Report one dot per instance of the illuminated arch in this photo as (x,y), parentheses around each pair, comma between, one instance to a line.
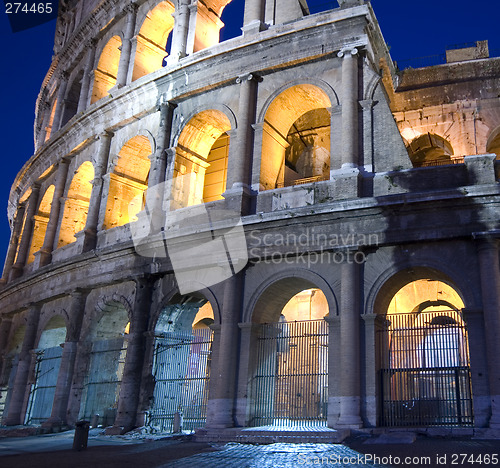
(128,180)
(152,39)
(296,137)
(76,205)
(201,159)
(107,69)
(40,224)
(430,150)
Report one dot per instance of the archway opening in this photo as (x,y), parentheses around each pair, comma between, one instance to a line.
(107,349)
(48,362)
(201,160)
(40,223)
(289,384)
(430,150)
(9,367)
(76,205)
(296,138)
(107,69)
(423,357)
(152,40)
(181,364)
(71,99)
(128,180)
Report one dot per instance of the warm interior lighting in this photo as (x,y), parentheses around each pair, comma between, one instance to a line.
(194,159)
(152,39)
(40,224)
(310,304)
(128,180)
(107,69)
(76,205)
(296,137)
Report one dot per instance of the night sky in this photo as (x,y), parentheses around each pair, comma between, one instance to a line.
(410,28)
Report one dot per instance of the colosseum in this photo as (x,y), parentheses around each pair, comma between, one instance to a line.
(278,232)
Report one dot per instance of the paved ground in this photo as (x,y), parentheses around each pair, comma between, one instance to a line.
(55,451)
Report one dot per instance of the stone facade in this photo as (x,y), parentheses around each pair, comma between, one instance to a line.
(349,177)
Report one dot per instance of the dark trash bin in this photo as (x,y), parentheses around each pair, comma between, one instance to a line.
(81,435)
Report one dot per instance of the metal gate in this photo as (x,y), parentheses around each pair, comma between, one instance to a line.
(102,385)
(290,386)
(424,371)
(43,389)
(181,369)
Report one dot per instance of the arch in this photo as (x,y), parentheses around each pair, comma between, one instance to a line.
(72,98)
(152,39)
(76,205)
(430,149)
(181,359)
(274,293)
(40,223)
(106,348)
(422,351)
(128,180)
(201,294)
(198,154)
(493,144)
(393,279)
(296,137)
(106,71)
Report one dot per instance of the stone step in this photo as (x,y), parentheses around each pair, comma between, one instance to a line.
(245,435)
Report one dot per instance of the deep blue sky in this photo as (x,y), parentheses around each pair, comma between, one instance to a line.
(411,28)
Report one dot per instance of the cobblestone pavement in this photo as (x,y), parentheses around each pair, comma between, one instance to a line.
(276,456)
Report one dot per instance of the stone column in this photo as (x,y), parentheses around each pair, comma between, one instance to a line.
(212,383)
(253,18)
(246,366)
(134,360)
(349,107)
(367,156)
(125,56)
(180,33)
(13,244)
(65,377)
(225,375)
(334,370)
(84,100)
(24,247)
(159,158)
(335,139)
(5,327)
(369,404)
(241,150)
(97,196)
(348,178)
(14,414)
(61,94)
(45,256)
(490,289)
(155,194)
(349,344)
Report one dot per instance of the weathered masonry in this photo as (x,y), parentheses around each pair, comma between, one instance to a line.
(367,198)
